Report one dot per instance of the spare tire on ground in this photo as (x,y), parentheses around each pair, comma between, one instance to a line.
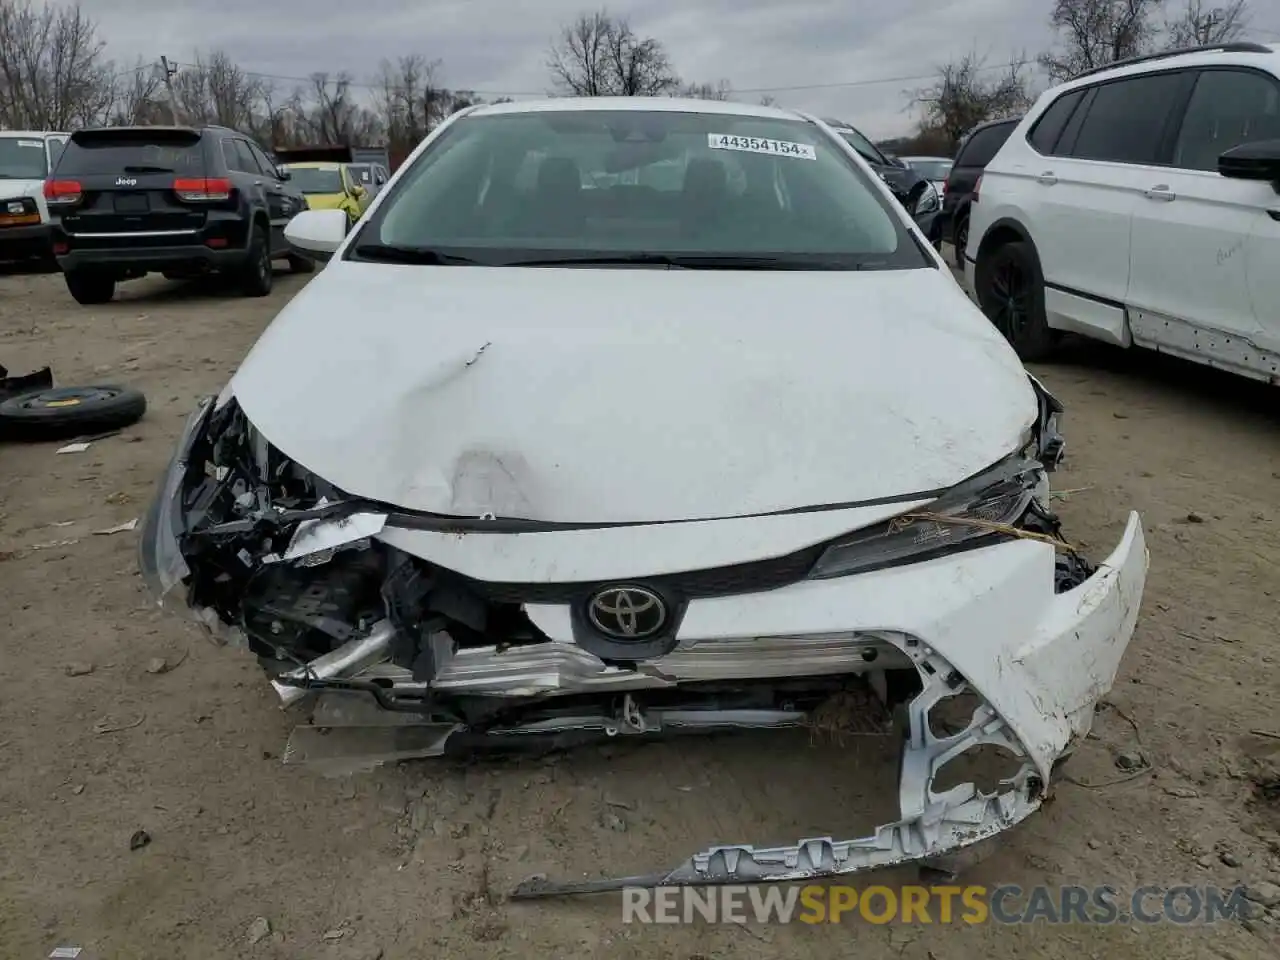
(70,412)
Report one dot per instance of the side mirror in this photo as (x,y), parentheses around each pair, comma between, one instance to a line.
(284,174)
(1252,161)
(318,232)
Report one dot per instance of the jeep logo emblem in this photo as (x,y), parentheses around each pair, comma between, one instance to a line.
(126,182)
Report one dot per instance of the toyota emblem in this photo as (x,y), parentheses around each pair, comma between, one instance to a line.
(627,613)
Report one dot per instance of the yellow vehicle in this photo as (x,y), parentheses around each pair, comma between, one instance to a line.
(329,186)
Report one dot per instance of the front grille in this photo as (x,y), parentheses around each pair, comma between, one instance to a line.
(755,577)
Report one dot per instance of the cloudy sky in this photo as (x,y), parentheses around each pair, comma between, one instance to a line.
(855,59)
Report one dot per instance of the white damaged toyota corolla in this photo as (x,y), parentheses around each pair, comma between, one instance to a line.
(629,417)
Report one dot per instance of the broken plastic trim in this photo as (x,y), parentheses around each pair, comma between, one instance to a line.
(1050,445)
(932,824)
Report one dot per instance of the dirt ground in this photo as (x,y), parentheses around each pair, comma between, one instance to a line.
(415,860)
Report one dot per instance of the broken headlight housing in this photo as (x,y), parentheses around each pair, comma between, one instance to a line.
(978,512)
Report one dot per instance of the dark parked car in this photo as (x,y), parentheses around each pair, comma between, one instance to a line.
(977,149)
(181,201)
(913,190)
(373,177)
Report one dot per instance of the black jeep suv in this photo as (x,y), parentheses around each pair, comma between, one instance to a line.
(127,201)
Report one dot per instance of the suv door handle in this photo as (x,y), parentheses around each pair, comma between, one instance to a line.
(257,183)
(1047,178)
(1160,192)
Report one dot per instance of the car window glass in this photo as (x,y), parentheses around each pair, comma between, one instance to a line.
(264,164)
(22,158)
(246,163)
(1044,135)
(1227,108)
(642,182)
(1126,120)
(56,145)
(161,149)
(319,180)
(230,155)
(984,145)
(864,146)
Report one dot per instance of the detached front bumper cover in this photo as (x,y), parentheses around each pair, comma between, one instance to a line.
(1046,690)
(1034,660)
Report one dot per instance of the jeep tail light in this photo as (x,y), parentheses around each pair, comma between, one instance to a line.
(946,186)
(977,185)
(61,192)
(202,189)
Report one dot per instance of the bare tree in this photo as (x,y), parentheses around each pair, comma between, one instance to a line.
(53,72)
(216,90)
(138,96)
(599,55)
(961,98)
(1200,24)
(409,101)
(720,90)
(1093,33)
(335,115)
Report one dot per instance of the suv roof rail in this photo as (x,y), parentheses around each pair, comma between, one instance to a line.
(1242,46)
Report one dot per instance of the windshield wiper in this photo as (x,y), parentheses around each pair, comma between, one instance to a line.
(390,253)
(143,168)
(688,262)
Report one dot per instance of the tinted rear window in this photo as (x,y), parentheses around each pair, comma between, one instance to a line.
(1125,121)
(132,152)
(982,147)
(1044,135)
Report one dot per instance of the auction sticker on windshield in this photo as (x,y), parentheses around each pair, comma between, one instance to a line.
(783,148)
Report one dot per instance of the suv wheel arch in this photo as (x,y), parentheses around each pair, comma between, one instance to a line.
(260,219)
(1004,231)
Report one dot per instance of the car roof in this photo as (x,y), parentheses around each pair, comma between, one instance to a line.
(167,128)
(1234,54)
(653,104)
(32,134)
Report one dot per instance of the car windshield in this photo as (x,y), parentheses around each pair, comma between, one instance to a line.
(22,158)
(637,186)
(316,180)
(860,143)
(931,169)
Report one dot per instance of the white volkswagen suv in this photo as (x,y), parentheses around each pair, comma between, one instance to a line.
(1140,205)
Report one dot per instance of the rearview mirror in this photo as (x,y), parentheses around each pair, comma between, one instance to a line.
(1252,161)
(318,232)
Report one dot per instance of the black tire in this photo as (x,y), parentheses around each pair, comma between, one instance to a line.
(255,273)
(1010,291)
(70,412)
(90,288)
(960,239)
(301,264)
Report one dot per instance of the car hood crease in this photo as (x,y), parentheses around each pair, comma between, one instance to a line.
(621,396)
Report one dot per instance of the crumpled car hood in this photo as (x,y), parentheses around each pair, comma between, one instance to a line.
(633,395)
